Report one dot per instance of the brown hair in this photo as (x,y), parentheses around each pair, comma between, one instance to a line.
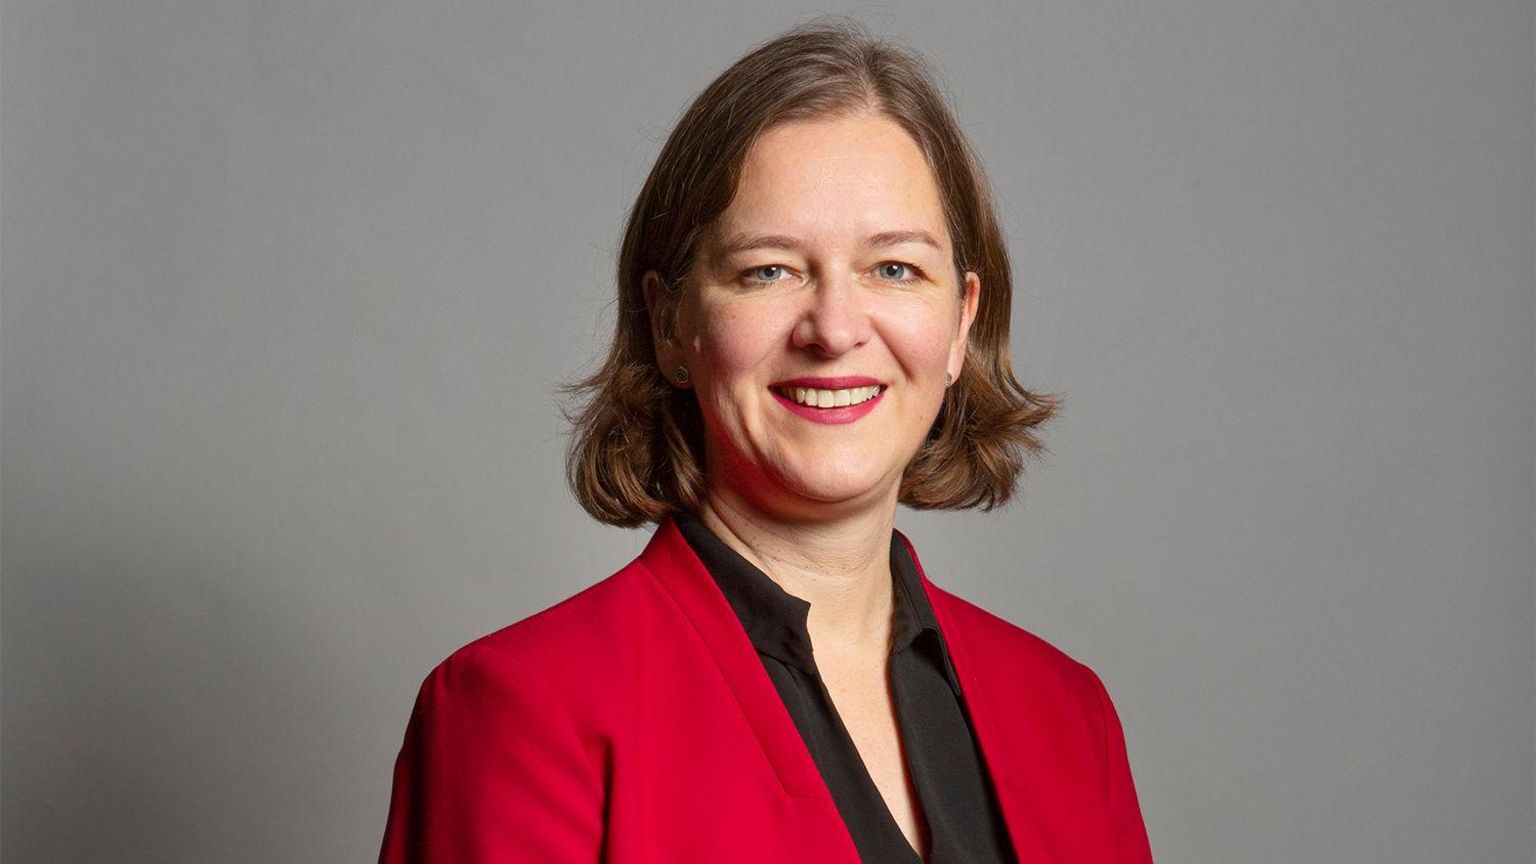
(637,450)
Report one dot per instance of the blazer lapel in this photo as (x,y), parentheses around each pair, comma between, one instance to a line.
(674,564)
(975,691)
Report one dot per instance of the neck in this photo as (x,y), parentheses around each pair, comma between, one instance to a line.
(842,567)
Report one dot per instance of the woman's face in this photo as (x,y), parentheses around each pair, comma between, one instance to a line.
(823,315)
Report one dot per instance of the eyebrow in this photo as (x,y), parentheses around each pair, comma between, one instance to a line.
(737,243)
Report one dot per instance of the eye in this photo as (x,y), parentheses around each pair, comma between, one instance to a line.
(765,273)
(894,270)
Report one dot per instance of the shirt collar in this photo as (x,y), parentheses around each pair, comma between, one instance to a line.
(775,620)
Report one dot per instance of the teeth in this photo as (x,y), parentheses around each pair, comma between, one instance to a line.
(832,398)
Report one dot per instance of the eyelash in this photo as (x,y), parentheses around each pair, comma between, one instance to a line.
(915,272)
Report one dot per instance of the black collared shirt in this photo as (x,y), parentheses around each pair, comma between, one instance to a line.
(964,821)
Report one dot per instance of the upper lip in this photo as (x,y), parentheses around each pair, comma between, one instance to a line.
(841,382)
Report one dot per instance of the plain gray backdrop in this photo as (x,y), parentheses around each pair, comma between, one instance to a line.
(288,288)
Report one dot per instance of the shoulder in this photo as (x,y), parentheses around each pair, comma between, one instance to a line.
(998,647)
(1014,657)
(563,648)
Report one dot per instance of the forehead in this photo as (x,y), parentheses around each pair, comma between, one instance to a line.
(837,179)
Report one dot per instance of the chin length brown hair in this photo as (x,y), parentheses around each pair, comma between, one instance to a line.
(637,450)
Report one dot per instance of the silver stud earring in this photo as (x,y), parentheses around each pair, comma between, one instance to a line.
(948,379)
(681,375)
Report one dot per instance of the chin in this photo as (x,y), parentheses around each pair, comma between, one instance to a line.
(840,488)
(802,478)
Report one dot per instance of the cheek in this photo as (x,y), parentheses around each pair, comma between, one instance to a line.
(732,345)
(920,337)
(721,344)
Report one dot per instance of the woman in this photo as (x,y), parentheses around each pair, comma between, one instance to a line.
(814,302)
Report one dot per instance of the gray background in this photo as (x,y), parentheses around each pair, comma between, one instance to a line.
(288,287)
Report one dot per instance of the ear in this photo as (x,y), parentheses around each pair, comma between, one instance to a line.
(968,306)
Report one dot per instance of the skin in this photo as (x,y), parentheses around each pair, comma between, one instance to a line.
(813,505)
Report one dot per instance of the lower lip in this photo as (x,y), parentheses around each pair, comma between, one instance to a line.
(845,414)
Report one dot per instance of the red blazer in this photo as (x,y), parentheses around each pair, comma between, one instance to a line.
(633,723)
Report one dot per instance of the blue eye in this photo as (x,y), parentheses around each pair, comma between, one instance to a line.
(765,273)
(893,270)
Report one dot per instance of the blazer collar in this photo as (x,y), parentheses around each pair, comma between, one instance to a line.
(673,563)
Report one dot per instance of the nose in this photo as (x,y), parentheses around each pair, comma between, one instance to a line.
(835,319)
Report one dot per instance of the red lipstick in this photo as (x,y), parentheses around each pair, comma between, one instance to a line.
(783,392)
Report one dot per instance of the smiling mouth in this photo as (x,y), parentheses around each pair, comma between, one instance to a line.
(816,398)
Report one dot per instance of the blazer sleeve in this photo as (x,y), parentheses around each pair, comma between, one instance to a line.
(492,769)
(1128,832)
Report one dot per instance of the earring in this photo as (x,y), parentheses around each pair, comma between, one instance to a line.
(948,379)
(681,375)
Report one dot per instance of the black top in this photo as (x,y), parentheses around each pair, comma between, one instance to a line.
(964,821)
